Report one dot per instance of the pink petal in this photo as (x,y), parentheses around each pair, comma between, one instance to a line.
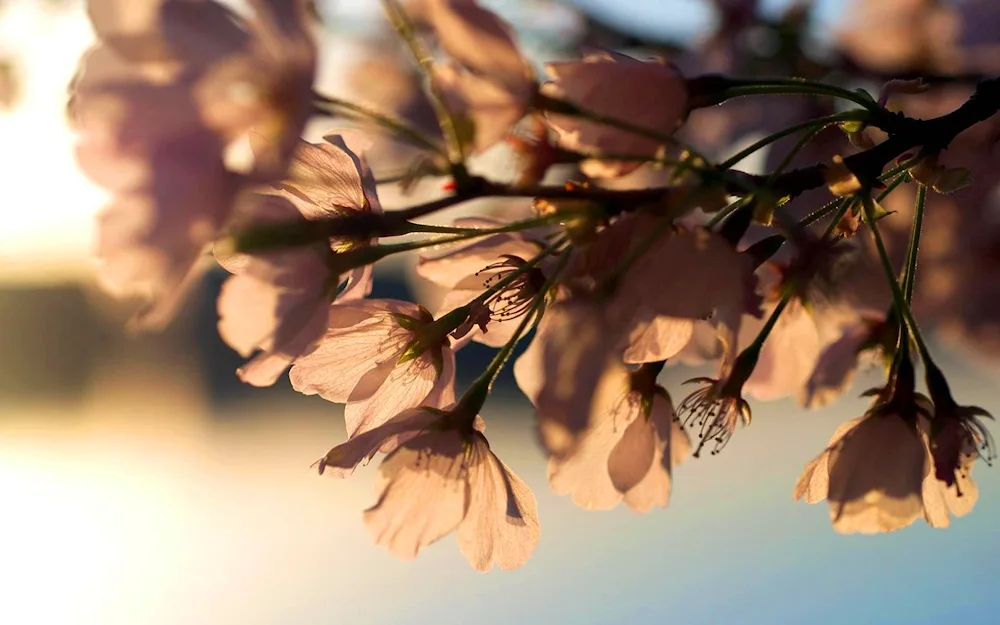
(502,522)
(632,457)
(576,350)
(814,483)
(423,493)
(583,473)
(672,447)
(835,368)
(658,339)
(345,457)
(358,341)
(481,42)
(458,263)
(491,107)
(876,477)
(406,386)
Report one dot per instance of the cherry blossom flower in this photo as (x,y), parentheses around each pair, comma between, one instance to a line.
(443,478)
(155,104)
(579,336)
(380,357)
(648,94)
(955,437)
(628,449)
(278,301)
(835,367)
(469,269)
(560,370)
(487,82)
(872,472)
(948,489)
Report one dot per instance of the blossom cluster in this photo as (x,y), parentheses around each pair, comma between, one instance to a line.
(648,253)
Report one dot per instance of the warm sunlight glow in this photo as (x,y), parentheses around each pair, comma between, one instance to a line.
(47,205)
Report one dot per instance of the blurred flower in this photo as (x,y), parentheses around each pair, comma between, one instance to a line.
(380,357)
(899,36)
(833,371)
(650,95)
(573,346)
(279,301)
(442,478)
(170,85)
(628,449)
(10,84)
(488,82)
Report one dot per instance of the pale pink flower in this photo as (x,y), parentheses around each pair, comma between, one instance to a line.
(278,301)
(580,335)
(955,437)
(469,269)
(442,477)
(872,473)
(948,489)
(560,370)
(488,82)
(155,104)
(650,95)
(628,449)
(839,360)
(380,357)
(697,276)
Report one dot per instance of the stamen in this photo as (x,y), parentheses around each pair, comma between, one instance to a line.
(516,299)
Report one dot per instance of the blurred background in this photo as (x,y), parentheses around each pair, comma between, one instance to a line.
(142,484)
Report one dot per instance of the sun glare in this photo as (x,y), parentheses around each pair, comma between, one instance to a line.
(46,203)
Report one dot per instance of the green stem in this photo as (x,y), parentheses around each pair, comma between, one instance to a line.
(564,107)
(398,126)
(913,251)
(514,226)
(823,211)
(892,186)
(899,298)
(768,326)
(792,86)
(727,211)
(404,27)
(806,137)
(781,134)
(475,396)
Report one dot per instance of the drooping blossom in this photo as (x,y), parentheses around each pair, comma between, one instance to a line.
(471,268)
(486,81)
(833,373)
(156,102)
(874,469)
(560,370)
(833,302)
(949,489)
(581,335)
(278,301)
(442,478)
(955,437)
(628,449)
(380,358)
(649,94)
